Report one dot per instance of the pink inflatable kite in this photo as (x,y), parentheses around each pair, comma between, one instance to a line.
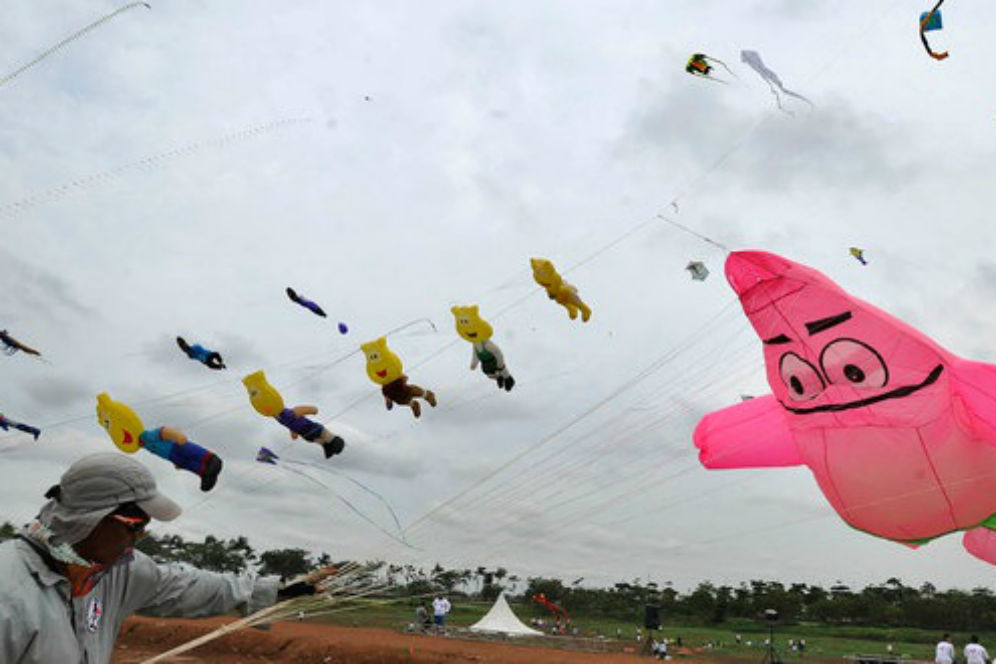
(899,433)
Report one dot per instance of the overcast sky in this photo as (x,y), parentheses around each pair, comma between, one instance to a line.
(172,171)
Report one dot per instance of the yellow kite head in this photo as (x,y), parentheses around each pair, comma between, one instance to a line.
(383,366)
(263,396)
(546,274)
(122,424)
(470,326)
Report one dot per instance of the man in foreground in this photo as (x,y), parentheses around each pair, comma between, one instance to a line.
(72,575)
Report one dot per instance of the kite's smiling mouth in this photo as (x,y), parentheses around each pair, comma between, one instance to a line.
(892,394)
(126,437)
(382,373)
(472,335)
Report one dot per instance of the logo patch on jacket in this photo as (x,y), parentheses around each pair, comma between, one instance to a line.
(94,612)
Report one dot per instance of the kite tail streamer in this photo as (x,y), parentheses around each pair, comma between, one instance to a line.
(399,539)
(379,497)
(797,96)
(730,71)
(73,37)
(778,100)
(409,324)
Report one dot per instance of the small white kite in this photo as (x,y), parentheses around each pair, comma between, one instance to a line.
(753,60)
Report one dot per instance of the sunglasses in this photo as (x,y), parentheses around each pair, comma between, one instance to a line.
(135,525)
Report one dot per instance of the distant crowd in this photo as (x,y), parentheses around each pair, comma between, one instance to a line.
(436,623)
(973,653)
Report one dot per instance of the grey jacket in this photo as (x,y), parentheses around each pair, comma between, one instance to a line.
(41,624)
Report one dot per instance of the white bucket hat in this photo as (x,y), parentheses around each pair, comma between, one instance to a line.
(95,486)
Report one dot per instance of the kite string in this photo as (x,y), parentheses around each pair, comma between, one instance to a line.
(654,366)
(692,232)
(565,481)
(397,538)
(76,35)
(327,469)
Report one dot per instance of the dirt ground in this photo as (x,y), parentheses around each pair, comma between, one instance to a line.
(308,643)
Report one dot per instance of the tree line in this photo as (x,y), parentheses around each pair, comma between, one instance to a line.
(888,604)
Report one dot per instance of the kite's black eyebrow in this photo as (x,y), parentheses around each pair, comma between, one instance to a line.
(821,324)
(780,339)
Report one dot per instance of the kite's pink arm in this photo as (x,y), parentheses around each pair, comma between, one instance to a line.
(752,434)
(981,543)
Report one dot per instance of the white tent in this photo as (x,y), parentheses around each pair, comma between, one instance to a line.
(501,619)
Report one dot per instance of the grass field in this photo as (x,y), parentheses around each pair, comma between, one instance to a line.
(823,642)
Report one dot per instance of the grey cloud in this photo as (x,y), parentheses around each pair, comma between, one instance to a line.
(59,392)
(42,291)
(383,462)
(785,9)
(836,145)
(235,349)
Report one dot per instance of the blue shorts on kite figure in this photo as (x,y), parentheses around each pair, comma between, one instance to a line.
(127,432)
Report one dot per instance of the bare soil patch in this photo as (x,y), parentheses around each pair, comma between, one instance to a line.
(314,643)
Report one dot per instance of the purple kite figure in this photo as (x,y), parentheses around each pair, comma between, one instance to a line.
(305,302)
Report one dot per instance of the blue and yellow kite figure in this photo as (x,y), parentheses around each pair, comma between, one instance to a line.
(127,432)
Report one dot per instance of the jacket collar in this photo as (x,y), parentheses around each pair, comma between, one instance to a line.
(40,563)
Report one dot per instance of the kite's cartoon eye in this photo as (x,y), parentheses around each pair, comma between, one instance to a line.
(800,377)
(851,362)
